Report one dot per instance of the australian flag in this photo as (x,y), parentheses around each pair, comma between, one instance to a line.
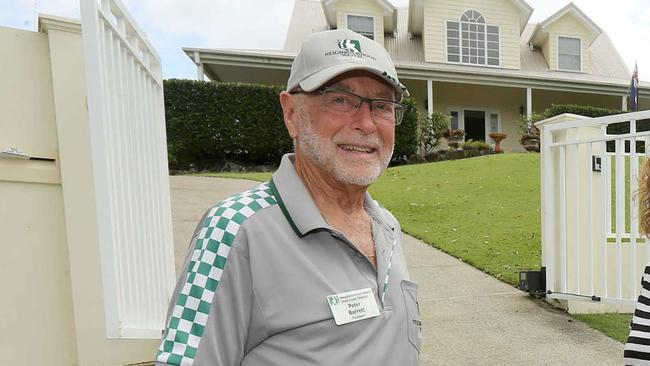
(634,89)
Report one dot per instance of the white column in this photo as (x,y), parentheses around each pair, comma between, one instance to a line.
(529,102)
(624,103)
(199,67)
(430,96)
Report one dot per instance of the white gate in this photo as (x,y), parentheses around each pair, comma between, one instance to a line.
(591,245)
(127,126)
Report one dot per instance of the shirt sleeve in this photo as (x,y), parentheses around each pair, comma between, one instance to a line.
(209,313)
(637,347)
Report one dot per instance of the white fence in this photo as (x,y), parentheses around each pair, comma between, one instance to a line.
(591,245)
(127,124)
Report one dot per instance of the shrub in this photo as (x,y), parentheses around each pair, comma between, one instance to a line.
(527,125)
(216,122)
(583,110)
(612,129)
(476,145)
(407,137)
(588,111)
(432,128)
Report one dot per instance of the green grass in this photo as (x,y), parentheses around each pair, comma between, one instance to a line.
(615,326)
(484,211)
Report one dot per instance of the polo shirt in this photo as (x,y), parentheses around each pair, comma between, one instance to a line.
(255,284)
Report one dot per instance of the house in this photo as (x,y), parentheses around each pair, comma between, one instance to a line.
(482,62)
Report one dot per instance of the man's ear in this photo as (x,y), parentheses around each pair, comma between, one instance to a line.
(290,113)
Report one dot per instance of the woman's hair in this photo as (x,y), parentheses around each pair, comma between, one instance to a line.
(644,198)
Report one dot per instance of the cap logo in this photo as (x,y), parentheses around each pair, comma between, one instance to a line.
(350,44)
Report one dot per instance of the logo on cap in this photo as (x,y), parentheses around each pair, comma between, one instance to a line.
(350,44)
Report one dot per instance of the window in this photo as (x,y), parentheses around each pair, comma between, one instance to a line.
(362,25)
(454,121)
(568,53)
(494,122)
(472,41)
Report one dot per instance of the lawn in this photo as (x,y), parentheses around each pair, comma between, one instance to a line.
(484,211)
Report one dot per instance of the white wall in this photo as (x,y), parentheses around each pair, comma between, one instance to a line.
(38,318)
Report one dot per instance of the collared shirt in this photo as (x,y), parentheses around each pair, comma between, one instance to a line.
(255,285)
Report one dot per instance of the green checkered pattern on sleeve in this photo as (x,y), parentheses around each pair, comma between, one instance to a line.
(190,314)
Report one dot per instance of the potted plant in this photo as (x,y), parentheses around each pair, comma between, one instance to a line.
(530,134)
(453,135)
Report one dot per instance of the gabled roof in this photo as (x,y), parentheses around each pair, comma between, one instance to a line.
(609,74)
(416,15)
(541,31)
(329,8)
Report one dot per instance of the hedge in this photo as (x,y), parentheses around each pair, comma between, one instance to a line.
(210,123)
(407,135)
(613,129)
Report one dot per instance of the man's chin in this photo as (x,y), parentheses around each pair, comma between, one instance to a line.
(358,177)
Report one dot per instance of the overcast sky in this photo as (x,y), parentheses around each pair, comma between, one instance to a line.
(173,24)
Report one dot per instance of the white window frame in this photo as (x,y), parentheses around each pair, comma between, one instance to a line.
(557,52)
(347,23)
(460,44)
(487,111)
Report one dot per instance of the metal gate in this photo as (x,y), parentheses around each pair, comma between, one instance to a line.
(591,245)
(129,153)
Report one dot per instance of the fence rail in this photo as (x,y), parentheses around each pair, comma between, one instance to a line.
(127,124)
(591,244)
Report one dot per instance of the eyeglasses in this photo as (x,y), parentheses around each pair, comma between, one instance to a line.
(388,112)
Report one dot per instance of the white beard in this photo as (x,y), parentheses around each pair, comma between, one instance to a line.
(323,153)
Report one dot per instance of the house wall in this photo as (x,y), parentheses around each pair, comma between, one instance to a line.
(546,51)
(496,12)
(37,304)
(361,7)
(569,25)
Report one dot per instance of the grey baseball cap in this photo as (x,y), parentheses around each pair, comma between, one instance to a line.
(326,55)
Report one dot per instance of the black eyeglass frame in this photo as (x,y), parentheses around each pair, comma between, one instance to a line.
(322,91)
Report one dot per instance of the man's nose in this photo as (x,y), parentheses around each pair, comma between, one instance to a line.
(364,118)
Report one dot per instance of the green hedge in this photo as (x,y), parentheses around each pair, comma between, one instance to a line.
(407,136)
(613,129)
(589,111)
(210,123)
(583,110)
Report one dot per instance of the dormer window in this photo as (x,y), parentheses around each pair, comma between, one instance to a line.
(472,41)
(363,25)
(568,53)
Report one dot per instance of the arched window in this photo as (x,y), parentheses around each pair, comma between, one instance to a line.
(472,41)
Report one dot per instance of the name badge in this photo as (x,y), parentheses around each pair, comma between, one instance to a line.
(352,306)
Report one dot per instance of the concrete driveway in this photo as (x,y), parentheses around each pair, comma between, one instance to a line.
(469,318)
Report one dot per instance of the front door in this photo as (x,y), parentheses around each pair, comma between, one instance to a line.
(475,125)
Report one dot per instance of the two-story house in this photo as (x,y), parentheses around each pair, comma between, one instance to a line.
(478,60)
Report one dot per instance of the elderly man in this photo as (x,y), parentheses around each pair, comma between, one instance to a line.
(307,269)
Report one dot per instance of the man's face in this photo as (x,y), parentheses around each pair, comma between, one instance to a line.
(351,147)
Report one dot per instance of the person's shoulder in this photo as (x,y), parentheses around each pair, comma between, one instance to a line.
(226,217)
(386,214)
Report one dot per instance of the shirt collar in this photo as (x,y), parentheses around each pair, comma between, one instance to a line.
(299,207)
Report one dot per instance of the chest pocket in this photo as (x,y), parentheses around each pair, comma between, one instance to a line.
(413,320)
